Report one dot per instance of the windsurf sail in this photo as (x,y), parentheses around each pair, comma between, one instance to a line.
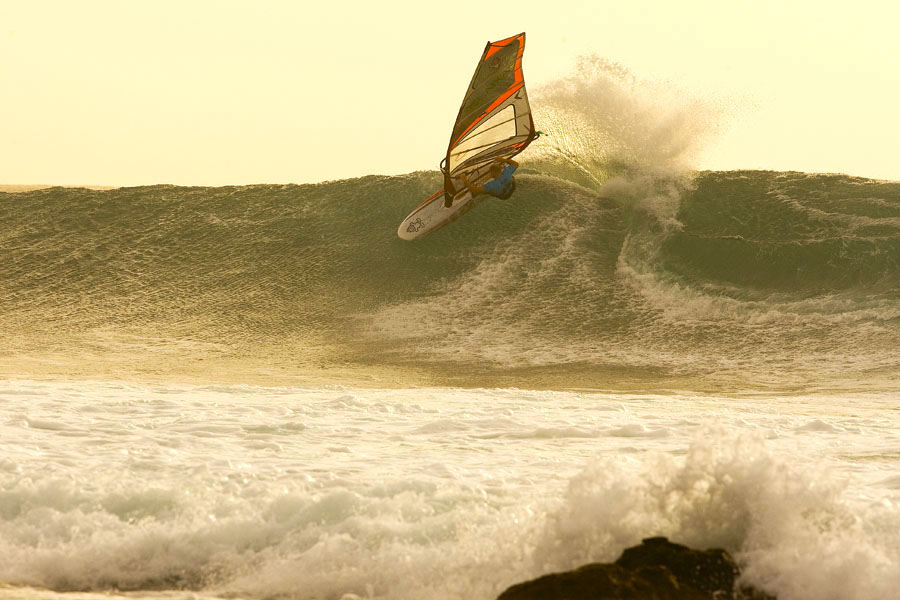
(494,120)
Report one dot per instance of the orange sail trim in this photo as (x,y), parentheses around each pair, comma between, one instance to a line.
(497,45)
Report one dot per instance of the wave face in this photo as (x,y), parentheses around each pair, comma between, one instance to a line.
(615,264)
(772,278)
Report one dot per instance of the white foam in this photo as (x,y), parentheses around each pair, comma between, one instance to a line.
(465,493)
(796,531)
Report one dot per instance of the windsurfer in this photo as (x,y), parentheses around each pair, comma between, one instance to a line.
(501,185)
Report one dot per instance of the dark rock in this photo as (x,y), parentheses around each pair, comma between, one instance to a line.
(604,582)
(709,571)
(655,570)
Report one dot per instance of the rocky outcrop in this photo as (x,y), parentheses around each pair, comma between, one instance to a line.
(655,570)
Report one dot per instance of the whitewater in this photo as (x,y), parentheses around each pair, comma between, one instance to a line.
(261,392)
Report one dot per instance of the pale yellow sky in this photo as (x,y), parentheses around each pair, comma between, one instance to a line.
(214,93)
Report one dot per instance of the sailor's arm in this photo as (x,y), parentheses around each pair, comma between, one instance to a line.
(509,161)
(472,187)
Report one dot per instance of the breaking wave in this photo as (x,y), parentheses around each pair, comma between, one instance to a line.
(614,264)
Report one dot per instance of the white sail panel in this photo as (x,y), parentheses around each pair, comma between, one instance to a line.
(497,129)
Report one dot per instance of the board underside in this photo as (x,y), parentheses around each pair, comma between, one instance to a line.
(431,215)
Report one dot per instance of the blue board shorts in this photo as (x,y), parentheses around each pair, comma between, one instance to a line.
(502,186)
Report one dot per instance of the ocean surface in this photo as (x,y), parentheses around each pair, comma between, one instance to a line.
(261,392)
(757,280)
